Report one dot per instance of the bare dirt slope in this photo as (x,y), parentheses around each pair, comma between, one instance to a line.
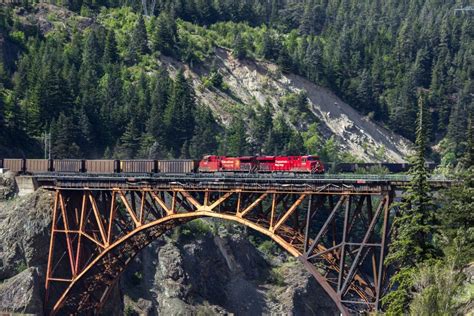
(253,82)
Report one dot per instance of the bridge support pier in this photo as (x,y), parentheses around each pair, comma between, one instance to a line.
(339,232)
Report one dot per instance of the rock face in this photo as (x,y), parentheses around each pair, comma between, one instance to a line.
(22,293)
(24,244)
(7,185)
(219,272)
(46,16)
(24,232)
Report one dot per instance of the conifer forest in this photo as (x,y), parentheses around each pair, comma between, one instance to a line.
(169,79)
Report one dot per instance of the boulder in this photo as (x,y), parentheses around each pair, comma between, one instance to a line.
(22,293)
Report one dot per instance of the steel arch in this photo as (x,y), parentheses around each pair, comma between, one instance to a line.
(96,233)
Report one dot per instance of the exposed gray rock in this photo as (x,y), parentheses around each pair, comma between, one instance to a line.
(219,272)
(7,185)
(24,232)
(253,83)
(48,17)
(300,294)
(22,293)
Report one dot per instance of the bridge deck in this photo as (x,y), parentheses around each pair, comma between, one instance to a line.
(221,181)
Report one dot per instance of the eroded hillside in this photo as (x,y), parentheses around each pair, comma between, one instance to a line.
(253,83)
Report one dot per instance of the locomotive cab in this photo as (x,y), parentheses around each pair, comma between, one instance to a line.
(210,163)
(312,163)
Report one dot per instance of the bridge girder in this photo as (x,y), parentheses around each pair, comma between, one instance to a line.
(338,233)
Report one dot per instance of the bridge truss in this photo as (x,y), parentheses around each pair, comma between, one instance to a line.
(339,232)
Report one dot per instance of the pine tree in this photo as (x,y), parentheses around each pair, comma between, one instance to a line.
(240,51)
(90,73)
(160,90)
(284,60)
(236,139)
(413,225)
(268,46)
(295,146)
(138,44)
(129,142)
(260,126)
(306,26)
(63,139)
(165,34)
(179,113)
(84,137)
(468,159)
(142,107)
(204,140)
(2,110)
(110,55)
(364,92)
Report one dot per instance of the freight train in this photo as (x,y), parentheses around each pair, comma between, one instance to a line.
(209,164)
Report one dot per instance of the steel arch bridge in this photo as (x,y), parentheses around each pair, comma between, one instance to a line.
(339,231)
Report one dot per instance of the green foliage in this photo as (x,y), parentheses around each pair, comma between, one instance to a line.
(129,311)
(456,235)
(373,170)
(282,139)
(269,248)
(276,277)
(438,287)
(204,140)
(197,228)
(214,79)
(129,142)
(376,62)
(138,44)
(239,47)
(18,36)
(178,116)
(414,228)
(164,34)
(137,278)
(21,267)
(63,138)
(312,139)
(235,139)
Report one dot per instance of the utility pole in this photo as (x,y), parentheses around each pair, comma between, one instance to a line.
(47,145)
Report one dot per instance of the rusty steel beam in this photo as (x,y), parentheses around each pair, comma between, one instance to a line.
(107,237)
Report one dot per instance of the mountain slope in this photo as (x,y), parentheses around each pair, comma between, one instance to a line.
(255,82)
(102,74)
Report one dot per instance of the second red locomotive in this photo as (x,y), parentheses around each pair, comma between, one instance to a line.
(303,164)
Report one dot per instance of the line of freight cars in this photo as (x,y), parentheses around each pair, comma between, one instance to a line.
(156,166)
(99,166)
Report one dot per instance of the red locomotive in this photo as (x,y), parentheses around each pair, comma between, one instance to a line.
(253,164)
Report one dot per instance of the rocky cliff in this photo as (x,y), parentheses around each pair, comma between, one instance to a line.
(209,267)
(24,243)
(205,267)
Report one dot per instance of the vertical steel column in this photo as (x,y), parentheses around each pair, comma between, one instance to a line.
(306,230)
(382,250)
(51,248)
(343,246)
